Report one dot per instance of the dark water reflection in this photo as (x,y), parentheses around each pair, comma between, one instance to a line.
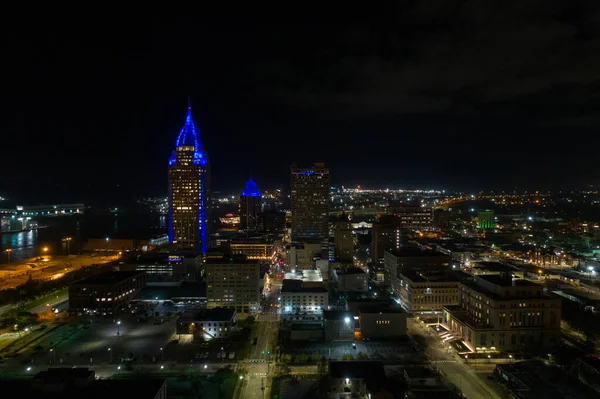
(28,244)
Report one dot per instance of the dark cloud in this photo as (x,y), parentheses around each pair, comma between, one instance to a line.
(456,57)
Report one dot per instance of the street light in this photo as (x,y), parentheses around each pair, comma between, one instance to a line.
(8,251)
(510,357)
(162,354)
(222,357)
(110,353)
(118,328)
(67,241)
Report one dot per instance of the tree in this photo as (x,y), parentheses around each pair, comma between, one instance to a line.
(301,359)
(362,356)
(323,366)
(286,358)
(347,356)
(284,369)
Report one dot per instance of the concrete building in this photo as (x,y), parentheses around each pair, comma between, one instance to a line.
(412,216)
(500,313)
(310,203)
(234,283)
(105,294)
(250,206)
(427,292)
(386,236)
(376,322)
(253,248)
(302,255)
(299,298)
(350,279)
(344,239)
(207,324)
(411,259)
(174,267)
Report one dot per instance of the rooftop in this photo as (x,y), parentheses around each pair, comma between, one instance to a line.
(250,190)
(111,277)
(296,286)
(431,277)
(382,309)
(414,253)
(187,289)
(492,266)
(215,314)
(231,260)
(501,281)
(349,270)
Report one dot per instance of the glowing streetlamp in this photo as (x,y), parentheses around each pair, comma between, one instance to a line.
(8,252)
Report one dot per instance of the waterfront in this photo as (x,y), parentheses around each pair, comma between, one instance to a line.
(29,244)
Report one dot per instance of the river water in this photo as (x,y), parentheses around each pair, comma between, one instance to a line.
(28,244)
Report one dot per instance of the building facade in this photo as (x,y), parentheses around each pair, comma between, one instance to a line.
(105,294)
(310,203)
(207,324)
(427,292)
(250,201)
(496,312)
(189,190)
(233,283)
(343,239)
(411,259)
(253,249)
(350,279)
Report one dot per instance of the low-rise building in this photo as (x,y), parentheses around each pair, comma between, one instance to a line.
(258,249)
(299,298)
(356,378)
(176,266)
(427,292)
(381,323)
(350,279)
(301,255)
(502,313)
(207,324)
(106,294)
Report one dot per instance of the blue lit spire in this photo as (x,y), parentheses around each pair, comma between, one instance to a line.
(250,190)
(188,136)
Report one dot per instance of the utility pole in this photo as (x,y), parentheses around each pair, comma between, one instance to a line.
(262,386)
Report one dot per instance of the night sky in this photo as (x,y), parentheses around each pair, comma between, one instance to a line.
(435,94)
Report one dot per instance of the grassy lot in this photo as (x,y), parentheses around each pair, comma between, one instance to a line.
(47,298)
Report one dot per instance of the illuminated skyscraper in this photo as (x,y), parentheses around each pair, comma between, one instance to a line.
(189,190)
(250,200)
(310,203)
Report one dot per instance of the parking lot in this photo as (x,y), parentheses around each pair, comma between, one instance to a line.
(91,340)
(384,350)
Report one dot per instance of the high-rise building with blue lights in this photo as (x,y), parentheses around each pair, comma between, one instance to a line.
(250,201)
(189,190)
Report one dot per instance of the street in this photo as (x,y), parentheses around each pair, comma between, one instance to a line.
(454,369)
(260,363)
